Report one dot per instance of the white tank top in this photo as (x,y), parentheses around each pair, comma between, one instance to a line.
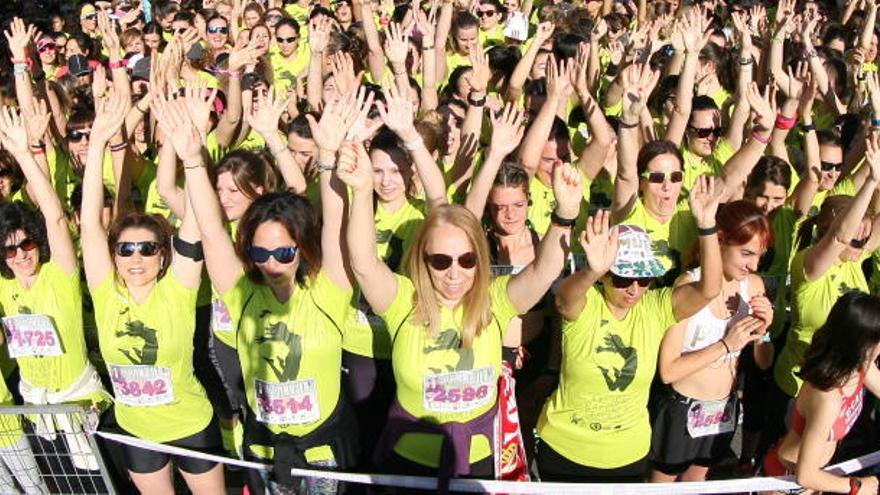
(704,328)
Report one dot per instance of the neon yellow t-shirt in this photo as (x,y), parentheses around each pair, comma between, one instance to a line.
(437,380)
(598,415)
(285,72)
(492,37)
(669,240)
(148,349)
(811,302)
(694,166)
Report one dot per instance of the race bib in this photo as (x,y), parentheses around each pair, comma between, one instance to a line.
(141,385)
(711,417)
(459,391)
(31,335)
(288,403)
(220,319)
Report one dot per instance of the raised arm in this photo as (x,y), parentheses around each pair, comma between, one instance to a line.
(319,36)
(868,24)
(425,23)
(375,54)
(559,88)
(230,122)
(166,179)
(844,228)
(118,68)
(14,137)
(808,186)
(109,116)
(592,158)
(599,242)
(689,298)
(375,279)
(397,114)
(524,66)
(264,120)
(740,165)
(530,285)
(507,131)
(694,39)
(18,38)
(444,24)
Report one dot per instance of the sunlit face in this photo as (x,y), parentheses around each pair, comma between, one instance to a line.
(272,235)
(452,284)
(508,209)
(488,15)
(273,17)
(25,263)
(180,27)
(135,45)
(260,36)
(89,23)
(232,200)
(287,39)
(390,174)
(770,197)
(303,150)
(701,120)
(851,253)
(465,39)
(252,18)
(138,270)
(79,149)
(872,50)
(218,33)
(740,261)
(623,298)
(166,21)
(829,154)
(453,118)
(343,12)
(153,40)
(328,92)
(661,198)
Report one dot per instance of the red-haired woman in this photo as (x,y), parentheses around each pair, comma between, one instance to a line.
(695,412)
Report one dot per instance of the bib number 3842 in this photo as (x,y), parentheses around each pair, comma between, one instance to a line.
(31,335)
(288,403)
(141,385)
(459,391)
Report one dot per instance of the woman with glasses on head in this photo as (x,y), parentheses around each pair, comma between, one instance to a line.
(595,426)
(694,414)
(144,287)
(832,246)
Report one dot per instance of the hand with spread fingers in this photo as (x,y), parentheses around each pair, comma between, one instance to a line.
(599,242)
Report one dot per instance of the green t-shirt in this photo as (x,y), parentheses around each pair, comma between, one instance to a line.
(785,223)
(669,240)
(284,72)
(811,302)
(438,381)
(148,349)
(290,352)
(48,323)
(694,166)
(598,415)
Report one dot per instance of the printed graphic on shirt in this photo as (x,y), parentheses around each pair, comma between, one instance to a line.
(145,354)
(618,378)
(284,366)
(449,340)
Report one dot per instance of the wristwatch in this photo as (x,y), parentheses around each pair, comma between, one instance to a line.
(476,102)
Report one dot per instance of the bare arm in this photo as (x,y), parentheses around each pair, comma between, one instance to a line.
(166,180)
(524,66)
(600,245)
(444,24)
(506,134)
(264,120)
(375,54)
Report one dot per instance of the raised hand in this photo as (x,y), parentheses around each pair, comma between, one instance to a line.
(13,132)
(480,73)
(36,118)
(507,130)
(599,242)
(544,32)
(579,72)
(638,81)
(108,34)
(241,56)
(398,110)
(199,103)
(18,36)
(872,154)
(319,33)
(765,112)
(269,108)
(354,167)
(559,78)
(567,190)
(396,45)
(426,24)
(704,199)
(110,114)
(342,68)
(338,117)
(175,121)
(600,29)
(796,77)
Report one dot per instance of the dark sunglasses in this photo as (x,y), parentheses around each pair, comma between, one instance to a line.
(145,248)
(622,282)
(285,254)
(660,177)
(292,39)
(91,17)
(828,166)
(273,18)
(218,29)
(442,262)
(47,48)
(180,30)
(856,243)
(486,13)
(77,136)
(24,245)
(704,132)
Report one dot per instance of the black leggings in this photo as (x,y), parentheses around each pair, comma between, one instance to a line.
(553,466)
(207,441)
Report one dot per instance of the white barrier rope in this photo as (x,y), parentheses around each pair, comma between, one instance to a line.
(491,486)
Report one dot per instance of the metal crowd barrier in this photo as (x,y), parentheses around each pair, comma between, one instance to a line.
(50,449)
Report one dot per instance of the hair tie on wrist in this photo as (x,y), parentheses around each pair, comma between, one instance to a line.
(709,231)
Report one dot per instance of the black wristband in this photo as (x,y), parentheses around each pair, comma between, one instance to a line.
(611,70)
(476,102)
(191,250)
(562,222)
(710,231)
(624,125)
(808,127)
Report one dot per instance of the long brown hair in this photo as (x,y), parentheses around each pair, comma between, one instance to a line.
(476,303)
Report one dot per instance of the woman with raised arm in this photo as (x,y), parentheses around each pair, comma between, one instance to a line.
(839,364)
(595,427)
(285,286)
(699,356)
(446,322)
(144,288)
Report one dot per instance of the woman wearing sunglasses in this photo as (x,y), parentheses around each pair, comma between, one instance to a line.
(595,426)
(839,365)
(446,322)
(832,246)
(217,33)
(42,302)
(144,288)
(284,283)
(695,413)
(288,56)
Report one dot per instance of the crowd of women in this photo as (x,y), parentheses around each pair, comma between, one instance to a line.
(333,235)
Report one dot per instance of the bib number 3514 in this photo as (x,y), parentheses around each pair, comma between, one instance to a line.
(31,335)
(288,403)
(459,391)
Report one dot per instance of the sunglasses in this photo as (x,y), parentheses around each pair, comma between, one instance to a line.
(218,29)
(442,262)
(856,243)
(623,282)
(77,136)
(828,166)
(292,39)
(90,17)
(486,13)
(145,248)
(180,30)
(25,245)
(704,132)
(285,254)
(47,48)
(660,177)
(273,18)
